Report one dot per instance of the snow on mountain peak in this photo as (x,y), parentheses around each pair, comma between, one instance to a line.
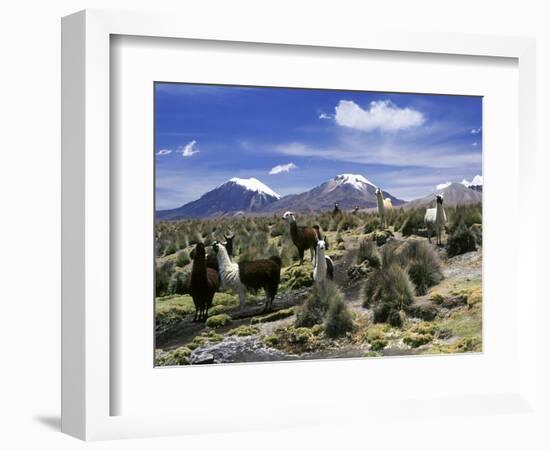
(476,181)
(359,182)
(252,184)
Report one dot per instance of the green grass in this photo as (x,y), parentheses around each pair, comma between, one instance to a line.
(218,321)
(274,316)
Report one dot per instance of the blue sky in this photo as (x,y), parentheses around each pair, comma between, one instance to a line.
(295,139)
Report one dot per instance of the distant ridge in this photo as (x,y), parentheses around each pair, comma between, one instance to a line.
(453,194)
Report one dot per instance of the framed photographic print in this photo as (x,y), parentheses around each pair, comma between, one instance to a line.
(311,222)
(250,179)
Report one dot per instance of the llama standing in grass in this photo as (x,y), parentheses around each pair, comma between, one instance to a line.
(324,267)
(302,237)
(203,284)
(355,210)
(336,211)
(261,274)
(384,205)
(435,219)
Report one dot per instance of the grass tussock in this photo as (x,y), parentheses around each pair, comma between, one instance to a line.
(218,320)
(274,316)
(326,306)
(388,291)
(462,240)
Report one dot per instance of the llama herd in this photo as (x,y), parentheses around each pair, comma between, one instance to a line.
(216,270)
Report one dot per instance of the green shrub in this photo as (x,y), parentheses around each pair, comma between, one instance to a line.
(422,264)
(274,316)
(178,284)
(388,290)
(170,249)
(466,215)
(338,320)
(325,305)
(182,259)
(368,252)
(376,338)
(417,339)
(371,225)
(161,282)
(217,321)
(312,311)
(348,222)
(461,241)
(413,221)
(177,357)
(244,330)
(477,230)
(296,277)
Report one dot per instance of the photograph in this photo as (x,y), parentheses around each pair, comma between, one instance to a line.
(303,224)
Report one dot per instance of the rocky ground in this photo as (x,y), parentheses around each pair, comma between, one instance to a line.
(446,320)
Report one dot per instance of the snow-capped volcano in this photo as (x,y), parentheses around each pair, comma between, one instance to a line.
(252,184)
(235,195)
(348,190)
(359,182)
(476,183)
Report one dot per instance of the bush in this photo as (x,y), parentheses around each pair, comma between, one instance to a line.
(417,339)
(388,290)
(182,259)
(477,230)
(338,319)
(371,225)
(274,316)
(244,330)
(413,221)
(170,249)
(466,215)
(315,307)
(161,282)
(461,241)
(368,252)
(422,264)
(177,357)
(348,222)
(297,277)
(217,321)
(325,305)
(178,283)
(376,338)
(418,259)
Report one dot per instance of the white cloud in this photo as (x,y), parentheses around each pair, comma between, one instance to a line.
(164,151)
(282,168)
(474,144)
(382,115)
(189,149)
(442,185)
(476,130)
(392,154)
(325,116)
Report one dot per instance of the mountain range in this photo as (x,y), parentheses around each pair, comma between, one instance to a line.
(453,194)
(251,196)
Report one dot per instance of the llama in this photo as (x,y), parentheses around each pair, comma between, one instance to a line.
(336,211)
(384,205)
(355,210)
(203,284)
(264,273)
(324,267)
(302,237)
(435,219)
(212,259)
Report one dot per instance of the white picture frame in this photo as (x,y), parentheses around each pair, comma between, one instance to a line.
(86,197)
